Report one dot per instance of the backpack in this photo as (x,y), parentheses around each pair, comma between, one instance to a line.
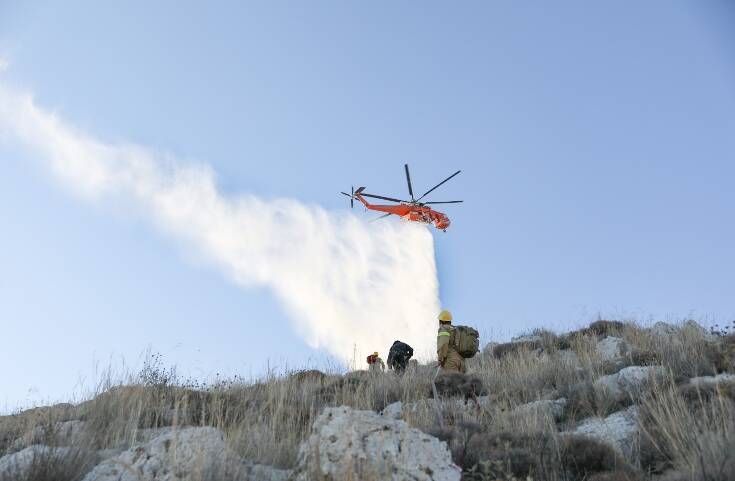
(466,340)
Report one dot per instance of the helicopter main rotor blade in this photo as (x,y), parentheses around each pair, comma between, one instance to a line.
(408,179)
(384,198)
(381,217)
(437,185)
(445,202)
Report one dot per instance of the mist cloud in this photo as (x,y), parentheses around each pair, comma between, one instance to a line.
(341,280)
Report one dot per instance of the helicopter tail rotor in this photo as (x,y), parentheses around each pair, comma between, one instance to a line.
(351,196)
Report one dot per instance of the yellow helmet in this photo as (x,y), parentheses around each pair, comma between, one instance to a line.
(445,316)
(375,354)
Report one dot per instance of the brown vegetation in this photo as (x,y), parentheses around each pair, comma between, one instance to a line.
(686,428)
(583,456)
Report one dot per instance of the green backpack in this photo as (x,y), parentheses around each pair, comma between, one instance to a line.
(466,341)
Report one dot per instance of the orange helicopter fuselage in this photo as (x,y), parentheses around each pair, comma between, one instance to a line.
(411,212)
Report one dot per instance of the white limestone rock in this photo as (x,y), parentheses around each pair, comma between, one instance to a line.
(690,328)
(17,465)
(393,411)
(611,349)
(547,407)
(487,351)
(352,444)
(629,382)
(182,454)
(456,405)
(619,430)
(663,330)
(526,338)
(695,329)
(710,380)
(66,433)
(569,358)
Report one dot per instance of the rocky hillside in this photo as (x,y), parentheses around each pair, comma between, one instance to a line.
(613,401)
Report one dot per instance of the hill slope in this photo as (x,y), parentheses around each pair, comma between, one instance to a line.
(613,401)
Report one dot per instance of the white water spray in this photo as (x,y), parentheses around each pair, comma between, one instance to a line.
(342,281)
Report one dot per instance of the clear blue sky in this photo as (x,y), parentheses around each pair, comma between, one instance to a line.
(597,145)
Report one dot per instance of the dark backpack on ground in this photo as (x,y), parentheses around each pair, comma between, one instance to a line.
(399,355)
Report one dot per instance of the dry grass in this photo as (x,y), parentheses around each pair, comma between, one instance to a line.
(266,421)
(691,429)
(51,467)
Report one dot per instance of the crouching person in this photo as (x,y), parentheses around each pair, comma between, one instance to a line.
(398,356)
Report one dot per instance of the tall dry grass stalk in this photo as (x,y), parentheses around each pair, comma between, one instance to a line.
(694,433)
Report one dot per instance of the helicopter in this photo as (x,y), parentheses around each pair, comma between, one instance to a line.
(412,210)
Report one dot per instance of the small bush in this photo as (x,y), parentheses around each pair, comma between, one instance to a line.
(456,438)
(584,400)
(697,394)
(308,375)
(653,457)
(724,330)
(515,462)
(457,384)
(614,476)
(515,454)
(726,361)
(505,349)
(331,393)
(645,358)
(581,401)
(597,329)
(583,456)
(676,476)
(606,328)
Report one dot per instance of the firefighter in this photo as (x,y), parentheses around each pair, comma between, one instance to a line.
(449,359)
(375,364)
(398,356)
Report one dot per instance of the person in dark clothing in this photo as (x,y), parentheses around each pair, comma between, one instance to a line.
(399,355)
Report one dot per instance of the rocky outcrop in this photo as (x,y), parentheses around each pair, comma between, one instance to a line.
(259,472)
(663,330)
(629,382)
(694,328)
(619,430)
(352,444)
(169,456)
(457,406)
(393,411)
(66,433)
(569,357)
(553,409)
(527,338)
(17,465)
(712,380)
(611,349)
(188,453)
(487,351)
(667,332)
